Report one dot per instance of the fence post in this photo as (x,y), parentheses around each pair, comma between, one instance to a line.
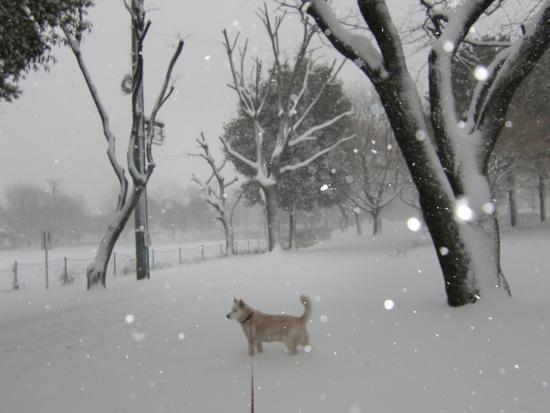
(114,263)
(15,280)
(202,252)
(248,243)
(258,245)
(153,257)
(221,250)
(45,236)
(179,249)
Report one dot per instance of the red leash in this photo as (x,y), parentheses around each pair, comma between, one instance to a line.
(251,374)
(252,388)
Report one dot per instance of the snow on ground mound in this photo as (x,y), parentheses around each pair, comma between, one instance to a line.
(383,339)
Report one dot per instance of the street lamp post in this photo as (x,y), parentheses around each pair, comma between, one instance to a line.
(142,238)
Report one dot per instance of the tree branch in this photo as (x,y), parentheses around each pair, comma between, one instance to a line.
(111,151)
(315,156)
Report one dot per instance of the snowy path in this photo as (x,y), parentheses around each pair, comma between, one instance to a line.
(164,345)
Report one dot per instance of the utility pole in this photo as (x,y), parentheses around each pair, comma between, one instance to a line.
(140,212)
(53,220)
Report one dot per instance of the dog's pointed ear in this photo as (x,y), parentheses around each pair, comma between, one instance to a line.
(235,300)
(241,302)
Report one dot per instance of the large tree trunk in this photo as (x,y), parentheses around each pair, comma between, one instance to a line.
(464,250)
(96,272)
(272,215)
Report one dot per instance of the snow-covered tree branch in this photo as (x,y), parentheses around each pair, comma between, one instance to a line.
(216,194)
(97,270)
(279,111)
(452,180)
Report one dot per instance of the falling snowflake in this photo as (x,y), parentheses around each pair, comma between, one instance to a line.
(139,336)
(130,318)
(421,135)
(323,318)
(481,73)
(324,188)
(389,304)
(181,336)
(414,224)
(443,251)
(448,46)
(462,211)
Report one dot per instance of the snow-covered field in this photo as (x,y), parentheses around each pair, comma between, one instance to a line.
(164,345)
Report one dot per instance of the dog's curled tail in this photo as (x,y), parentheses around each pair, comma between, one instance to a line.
(304,299)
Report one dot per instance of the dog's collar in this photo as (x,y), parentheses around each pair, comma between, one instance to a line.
(248,318)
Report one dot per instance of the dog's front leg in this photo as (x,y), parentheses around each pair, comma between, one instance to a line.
(251,346)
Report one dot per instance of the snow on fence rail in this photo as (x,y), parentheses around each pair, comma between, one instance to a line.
(66,271)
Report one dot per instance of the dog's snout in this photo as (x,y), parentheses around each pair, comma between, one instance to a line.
(227,316)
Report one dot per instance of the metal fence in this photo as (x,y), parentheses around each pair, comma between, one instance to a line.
(68,270)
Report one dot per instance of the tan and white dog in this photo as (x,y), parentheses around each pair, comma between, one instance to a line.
(259,327)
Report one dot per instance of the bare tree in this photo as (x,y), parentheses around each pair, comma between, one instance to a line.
(447,159)
(142,129)
(379,172)
(293,115)
(216,193)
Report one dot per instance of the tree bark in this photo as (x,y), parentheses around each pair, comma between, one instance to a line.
(292,229)
(273,225)
(96,273)
(512,204)
(376,222)
(344,219)
(358,225)
(542,203)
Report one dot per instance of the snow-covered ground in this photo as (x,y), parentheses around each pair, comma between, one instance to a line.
(164,345)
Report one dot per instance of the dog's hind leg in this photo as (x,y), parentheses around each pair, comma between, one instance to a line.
(304,340)
(292,345)
(250,347)
(259,346)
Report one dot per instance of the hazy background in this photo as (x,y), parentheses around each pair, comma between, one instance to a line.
(53,131)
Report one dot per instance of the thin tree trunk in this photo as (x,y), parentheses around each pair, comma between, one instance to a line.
(358,224)
(376,222)
(542,204)
(229,235)
(512,203)
(292,229)
(96,272)
(344,219)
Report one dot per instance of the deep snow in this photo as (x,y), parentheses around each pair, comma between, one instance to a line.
(164,345)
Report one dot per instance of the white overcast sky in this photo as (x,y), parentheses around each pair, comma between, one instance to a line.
(53,131)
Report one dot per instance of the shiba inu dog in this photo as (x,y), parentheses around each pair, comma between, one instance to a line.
(259,327)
